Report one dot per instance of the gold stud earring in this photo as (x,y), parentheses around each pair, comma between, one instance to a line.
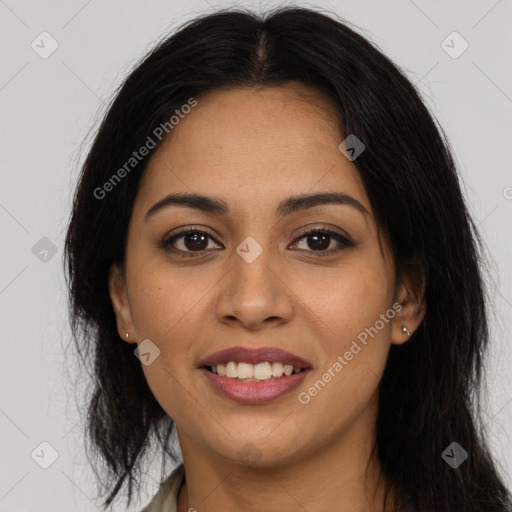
(404,329)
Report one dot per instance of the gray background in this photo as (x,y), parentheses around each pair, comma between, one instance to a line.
(48,107)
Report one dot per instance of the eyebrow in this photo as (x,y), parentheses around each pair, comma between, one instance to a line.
(286,207)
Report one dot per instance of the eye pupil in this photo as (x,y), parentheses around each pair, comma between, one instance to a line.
(324,243)
(199,241)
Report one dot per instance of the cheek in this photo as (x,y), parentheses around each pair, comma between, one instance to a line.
(162,306)
(163,302)
(347,301)
(355,316)
(167,311)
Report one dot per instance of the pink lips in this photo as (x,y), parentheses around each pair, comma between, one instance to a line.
(254,392)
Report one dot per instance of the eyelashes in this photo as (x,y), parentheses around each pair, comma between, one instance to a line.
(320,235)
(200,239)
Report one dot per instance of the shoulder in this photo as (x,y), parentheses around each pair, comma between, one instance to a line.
(166,499)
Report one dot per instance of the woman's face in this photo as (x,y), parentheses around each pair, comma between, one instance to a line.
(253,279)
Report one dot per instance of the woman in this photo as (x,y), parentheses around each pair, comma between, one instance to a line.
(269,255)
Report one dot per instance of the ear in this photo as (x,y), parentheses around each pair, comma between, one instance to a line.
(121,305)
(410,297)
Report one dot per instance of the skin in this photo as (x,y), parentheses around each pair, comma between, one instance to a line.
(254,147)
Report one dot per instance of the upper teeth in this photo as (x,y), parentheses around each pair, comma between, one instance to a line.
(260,371)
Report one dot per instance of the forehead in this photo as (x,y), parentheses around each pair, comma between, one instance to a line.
(253,146)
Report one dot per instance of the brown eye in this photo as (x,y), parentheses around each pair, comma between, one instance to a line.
(188,241)
(319,241)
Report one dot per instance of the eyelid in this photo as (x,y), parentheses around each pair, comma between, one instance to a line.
(183,230)
(324,228)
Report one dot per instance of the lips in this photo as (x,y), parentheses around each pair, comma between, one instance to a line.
(255,356)
(250,392)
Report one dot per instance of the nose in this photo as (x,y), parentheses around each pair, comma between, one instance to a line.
(255,293)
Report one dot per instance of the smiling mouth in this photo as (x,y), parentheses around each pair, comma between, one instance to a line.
(260,372)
